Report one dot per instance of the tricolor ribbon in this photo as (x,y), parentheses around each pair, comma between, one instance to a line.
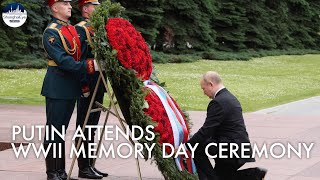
(179,127)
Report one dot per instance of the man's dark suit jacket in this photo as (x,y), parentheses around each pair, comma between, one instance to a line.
(224,123)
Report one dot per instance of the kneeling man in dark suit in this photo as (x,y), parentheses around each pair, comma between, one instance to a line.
(224,125)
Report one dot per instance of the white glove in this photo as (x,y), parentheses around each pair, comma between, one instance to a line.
(95,64)
(96,67)
(86,94)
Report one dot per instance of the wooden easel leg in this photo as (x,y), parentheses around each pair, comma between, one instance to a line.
(101,136)
(84,125)
(138,168)
(103,129)
(115,113)
(119,118)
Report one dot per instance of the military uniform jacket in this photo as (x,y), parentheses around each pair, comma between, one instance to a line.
(63,48)
(86,32)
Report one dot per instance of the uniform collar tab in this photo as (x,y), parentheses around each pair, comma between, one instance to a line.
(63,23)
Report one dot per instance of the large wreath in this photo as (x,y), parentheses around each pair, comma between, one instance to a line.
(128,63)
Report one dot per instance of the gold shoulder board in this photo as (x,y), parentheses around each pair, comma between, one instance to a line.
(82,24)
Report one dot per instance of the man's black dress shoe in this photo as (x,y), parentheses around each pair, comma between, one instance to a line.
(99,172)
(89,173)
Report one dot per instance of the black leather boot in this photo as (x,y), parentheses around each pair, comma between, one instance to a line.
(61,166)
(91,160)
(89,173)
(252,174)
(51,165)
(96,170)
(85,170)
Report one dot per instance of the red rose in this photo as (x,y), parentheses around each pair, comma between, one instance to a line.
(133,52)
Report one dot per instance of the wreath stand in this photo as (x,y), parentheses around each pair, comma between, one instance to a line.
(112,104)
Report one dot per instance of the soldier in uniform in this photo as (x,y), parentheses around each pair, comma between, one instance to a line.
(85,31)
(61,85)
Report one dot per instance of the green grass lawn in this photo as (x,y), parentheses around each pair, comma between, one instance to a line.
(21,86)
(258,83)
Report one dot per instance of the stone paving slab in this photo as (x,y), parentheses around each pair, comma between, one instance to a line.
(305,107)
(283,124)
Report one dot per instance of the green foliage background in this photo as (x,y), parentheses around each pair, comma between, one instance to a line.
(211,28)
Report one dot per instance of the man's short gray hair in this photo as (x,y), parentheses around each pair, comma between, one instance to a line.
(212,76)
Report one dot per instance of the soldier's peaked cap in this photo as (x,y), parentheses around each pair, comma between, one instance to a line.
(83,2)
(51,2)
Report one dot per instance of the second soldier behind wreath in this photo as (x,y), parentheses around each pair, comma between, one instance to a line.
(85,31)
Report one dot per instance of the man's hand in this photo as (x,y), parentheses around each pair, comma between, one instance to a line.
(95,63)
(96,66)
(86,94)
(85,91)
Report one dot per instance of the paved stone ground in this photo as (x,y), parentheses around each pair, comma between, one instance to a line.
(290,123)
